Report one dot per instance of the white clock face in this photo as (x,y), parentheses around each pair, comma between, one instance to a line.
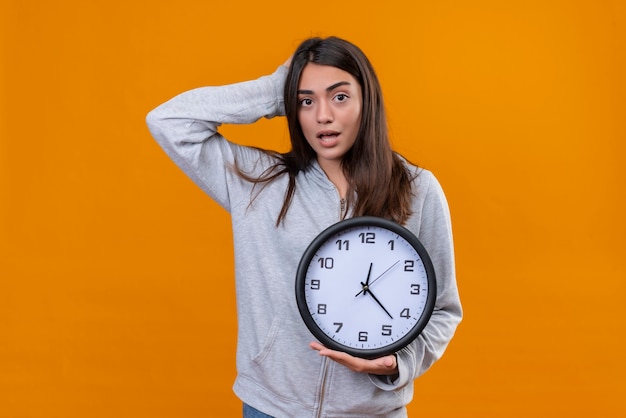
(366,289)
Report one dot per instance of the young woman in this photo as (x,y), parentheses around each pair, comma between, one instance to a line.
(341,165)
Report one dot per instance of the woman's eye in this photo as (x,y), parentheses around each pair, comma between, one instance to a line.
(305,102)
(341,97)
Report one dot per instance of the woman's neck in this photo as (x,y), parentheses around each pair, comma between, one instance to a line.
(335,174)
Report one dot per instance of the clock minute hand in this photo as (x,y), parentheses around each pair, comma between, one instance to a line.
(379,276)
(366,289)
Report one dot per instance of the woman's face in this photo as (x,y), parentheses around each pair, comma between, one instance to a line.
(329,111)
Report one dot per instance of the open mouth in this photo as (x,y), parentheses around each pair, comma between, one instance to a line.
(327,137)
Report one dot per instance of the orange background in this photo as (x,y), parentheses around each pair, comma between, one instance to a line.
(116,277)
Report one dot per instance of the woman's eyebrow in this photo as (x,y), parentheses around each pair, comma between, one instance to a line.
(339,84)
(329,88)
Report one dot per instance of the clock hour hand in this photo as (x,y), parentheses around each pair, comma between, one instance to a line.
(369,273)
(381,275)
(367,290)
(367,281)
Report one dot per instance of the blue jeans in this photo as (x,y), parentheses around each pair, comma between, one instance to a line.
(250,412)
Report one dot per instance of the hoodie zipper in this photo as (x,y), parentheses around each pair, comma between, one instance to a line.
(342,208)
(322,387)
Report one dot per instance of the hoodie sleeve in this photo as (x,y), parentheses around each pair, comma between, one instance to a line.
(435,233)
(186,128)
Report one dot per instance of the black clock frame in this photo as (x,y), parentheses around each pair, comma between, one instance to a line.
(325,235)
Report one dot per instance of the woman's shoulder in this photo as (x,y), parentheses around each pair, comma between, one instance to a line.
(423,180)
(416,172)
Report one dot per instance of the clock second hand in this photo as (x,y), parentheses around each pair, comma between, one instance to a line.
(381,275)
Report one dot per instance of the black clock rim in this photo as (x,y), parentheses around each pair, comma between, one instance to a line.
(336,228)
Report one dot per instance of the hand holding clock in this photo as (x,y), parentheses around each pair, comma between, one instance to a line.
(382,366)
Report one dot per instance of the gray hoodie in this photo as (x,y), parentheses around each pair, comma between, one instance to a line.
(277,372)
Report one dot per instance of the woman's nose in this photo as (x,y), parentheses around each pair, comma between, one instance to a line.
(324,113)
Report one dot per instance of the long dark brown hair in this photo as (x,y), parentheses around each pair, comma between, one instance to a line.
(379,182)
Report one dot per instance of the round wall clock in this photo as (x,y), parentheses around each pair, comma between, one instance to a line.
(365,286)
